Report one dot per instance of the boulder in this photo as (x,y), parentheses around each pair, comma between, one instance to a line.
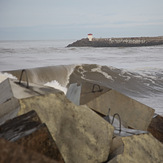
(80,134)
(156,127)
(136,149)
(20,126)
(13,153)
(42,142)
(28,130)
(117,147)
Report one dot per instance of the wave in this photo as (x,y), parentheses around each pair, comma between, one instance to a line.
(144,87)
(129,83)
(56,85)
(42,75)
(6,75)
(31,50)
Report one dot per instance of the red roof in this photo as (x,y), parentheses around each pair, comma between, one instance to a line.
(90,34)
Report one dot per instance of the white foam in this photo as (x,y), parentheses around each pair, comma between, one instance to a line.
(5,75)
(56,85)
(70,69)
(98,69)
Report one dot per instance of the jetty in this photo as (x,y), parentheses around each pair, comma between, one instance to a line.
(117,42)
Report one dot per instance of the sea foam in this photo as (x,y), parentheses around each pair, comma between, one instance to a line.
(5,75)
(55,84)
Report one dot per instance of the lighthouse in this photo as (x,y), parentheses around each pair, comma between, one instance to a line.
(90,37)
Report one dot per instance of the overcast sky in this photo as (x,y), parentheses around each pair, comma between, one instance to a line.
(74,19)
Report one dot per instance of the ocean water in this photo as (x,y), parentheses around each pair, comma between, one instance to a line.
(134,71)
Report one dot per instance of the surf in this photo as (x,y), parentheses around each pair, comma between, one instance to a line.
(146,88)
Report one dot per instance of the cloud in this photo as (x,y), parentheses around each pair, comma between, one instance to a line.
(77,17)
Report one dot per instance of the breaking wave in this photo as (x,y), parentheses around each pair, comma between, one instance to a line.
(145,86)
(130,83)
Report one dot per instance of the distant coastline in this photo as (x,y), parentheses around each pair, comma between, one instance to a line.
(118,42)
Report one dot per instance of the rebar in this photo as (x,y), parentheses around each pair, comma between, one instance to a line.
(26,77)
(98,88)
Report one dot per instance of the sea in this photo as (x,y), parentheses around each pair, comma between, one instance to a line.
(134,71)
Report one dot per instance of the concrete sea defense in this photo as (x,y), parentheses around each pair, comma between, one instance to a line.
(12,90)
(100,99)
(80,134)
(118,42)
(75,128)
(134,114)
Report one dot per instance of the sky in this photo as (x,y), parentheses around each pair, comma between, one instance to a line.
(74,19)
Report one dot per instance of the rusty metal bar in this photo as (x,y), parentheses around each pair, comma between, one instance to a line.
(26,77)
(116,114)
(98,88)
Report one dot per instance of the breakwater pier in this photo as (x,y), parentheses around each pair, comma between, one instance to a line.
(118,42)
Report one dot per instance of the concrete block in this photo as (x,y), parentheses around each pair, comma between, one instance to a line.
(80,134)
(11,88)
(73,93)
(5,91)
(9,109)
(133,114)
(91,91)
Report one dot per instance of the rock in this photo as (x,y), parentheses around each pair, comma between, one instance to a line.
(28,130)
(132,113)
(117,147)
(20,126)
(80,134)
(136,149)
(13,153)
(156,127)
(42,142)
(81,43)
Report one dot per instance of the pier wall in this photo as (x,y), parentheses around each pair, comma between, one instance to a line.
(118,42)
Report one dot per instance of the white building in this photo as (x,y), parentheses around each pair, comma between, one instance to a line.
(90,36)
